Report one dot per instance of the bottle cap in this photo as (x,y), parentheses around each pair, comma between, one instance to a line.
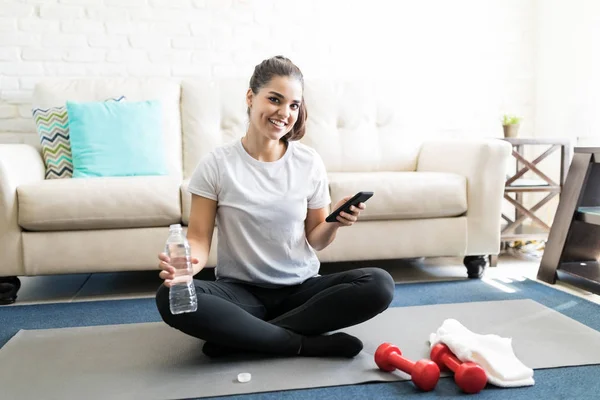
(174,226)
(244,377)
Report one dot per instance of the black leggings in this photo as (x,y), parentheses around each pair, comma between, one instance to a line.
(268,320)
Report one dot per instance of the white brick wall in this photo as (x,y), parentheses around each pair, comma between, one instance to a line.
(464,62)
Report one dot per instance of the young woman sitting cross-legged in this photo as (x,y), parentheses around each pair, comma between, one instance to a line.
(269,196)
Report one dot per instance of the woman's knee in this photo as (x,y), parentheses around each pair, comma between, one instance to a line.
(162,304)
(381,287)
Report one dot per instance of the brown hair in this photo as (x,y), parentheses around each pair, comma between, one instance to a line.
(281,66)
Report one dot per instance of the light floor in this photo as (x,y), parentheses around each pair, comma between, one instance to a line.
(113,286)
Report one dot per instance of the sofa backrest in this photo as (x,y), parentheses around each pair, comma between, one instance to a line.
(354,126)
(212,113)
(55,93)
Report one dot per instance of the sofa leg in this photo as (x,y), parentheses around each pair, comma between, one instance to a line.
(475,266)
(9,286)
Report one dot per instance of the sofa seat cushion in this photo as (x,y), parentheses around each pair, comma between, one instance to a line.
(403,195)
(99,203)
(398,195)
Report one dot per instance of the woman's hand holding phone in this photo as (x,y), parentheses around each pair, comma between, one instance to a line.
(348,209)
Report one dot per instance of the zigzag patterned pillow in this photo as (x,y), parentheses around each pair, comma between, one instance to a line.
(53,127)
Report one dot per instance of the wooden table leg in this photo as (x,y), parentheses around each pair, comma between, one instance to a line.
(564,215)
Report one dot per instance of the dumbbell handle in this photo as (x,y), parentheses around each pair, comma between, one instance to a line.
(424,373)
(403,364)
(451,362)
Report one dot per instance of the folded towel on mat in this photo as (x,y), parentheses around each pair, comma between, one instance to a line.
(492,352)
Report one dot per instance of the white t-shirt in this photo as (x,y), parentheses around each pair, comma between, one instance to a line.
(261,209)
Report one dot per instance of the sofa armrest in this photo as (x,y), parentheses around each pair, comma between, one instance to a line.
(483,162)
(19,164)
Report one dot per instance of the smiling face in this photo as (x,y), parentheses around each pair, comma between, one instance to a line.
(274,109)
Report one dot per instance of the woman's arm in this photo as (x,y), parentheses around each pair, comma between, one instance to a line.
(200,229)
(320,233)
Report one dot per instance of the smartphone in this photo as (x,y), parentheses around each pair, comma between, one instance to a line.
(358,198)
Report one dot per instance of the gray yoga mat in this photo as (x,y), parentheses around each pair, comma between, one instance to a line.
(154,361)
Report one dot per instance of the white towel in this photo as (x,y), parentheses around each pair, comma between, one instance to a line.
(492,352)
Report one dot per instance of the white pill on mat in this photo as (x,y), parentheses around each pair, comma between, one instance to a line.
(244,377)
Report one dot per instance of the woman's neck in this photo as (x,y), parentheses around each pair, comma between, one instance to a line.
(263,149)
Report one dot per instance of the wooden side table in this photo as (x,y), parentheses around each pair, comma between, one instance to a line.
(573,248)
(518,187)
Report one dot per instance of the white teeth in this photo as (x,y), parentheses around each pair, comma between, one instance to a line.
(277,123)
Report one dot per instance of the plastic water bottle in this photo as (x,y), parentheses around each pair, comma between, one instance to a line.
(182,294)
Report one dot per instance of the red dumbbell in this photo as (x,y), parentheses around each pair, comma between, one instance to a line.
(424,373)
(469,376)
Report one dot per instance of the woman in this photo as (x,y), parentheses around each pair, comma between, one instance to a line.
(269,195)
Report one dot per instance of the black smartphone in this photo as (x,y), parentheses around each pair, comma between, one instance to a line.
(358,198)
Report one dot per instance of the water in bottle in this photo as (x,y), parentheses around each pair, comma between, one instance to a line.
(182,294)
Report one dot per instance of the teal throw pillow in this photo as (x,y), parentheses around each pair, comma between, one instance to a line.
(116,138)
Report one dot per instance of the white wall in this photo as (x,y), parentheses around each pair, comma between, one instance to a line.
(567,96)
(567,85)
(463,62)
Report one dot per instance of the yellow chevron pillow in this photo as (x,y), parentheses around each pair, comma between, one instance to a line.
(52,125)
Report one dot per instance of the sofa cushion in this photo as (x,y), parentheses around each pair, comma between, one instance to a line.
(52,125)
(54,92)
(354,126)
(99,203)
(403,195)
(213,113)
(361,125)
(398,195)
(116,139)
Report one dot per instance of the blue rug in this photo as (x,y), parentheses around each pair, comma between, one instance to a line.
(559,383)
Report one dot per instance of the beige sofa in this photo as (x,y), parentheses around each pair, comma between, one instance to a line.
(433,197)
